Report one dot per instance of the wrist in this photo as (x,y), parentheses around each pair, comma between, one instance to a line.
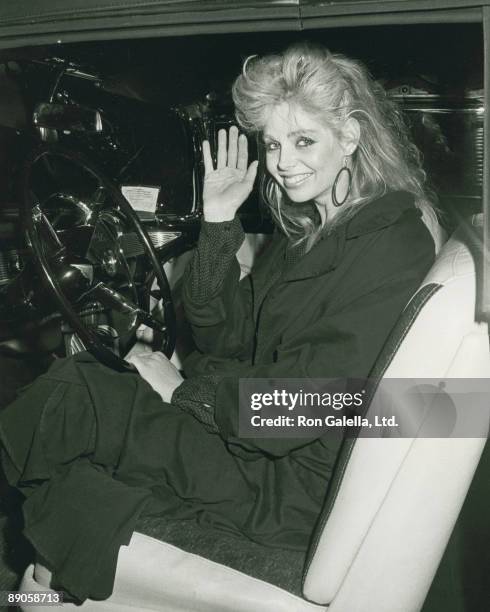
(218,216)
(175,387)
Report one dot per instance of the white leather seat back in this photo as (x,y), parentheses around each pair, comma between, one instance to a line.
(394,502)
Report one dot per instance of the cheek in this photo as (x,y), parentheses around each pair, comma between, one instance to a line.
(271,163)
(330,162)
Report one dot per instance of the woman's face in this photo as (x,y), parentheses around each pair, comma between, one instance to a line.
(302,154)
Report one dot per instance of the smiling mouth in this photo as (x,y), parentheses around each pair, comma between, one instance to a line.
(297,179)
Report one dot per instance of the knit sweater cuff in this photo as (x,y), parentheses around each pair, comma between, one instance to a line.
(216,249)
(196,396)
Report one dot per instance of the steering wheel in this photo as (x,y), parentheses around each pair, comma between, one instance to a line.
(93,267)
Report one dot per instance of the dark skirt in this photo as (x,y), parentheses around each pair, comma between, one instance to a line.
(94,450)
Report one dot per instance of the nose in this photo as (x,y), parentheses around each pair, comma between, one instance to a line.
(287,158)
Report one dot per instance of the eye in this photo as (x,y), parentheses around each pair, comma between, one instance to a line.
(271,145)
(304,141)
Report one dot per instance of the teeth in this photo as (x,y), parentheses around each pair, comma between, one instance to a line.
(297,178)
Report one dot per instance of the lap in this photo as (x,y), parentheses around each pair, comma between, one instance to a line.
(149,444)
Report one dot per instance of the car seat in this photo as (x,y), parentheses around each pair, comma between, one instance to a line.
(391,505)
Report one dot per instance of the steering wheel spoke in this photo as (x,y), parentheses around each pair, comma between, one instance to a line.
(51,238)
(115,300)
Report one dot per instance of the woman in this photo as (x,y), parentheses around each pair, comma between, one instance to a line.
(345,188)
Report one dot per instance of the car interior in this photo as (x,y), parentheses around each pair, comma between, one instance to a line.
(103,111)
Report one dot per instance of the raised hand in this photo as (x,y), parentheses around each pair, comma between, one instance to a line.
(229,185)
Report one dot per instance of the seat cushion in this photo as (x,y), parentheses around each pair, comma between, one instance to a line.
(282,568)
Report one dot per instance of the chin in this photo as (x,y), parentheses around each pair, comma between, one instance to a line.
(299,197)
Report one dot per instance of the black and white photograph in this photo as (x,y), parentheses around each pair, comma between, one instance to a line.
(244,305)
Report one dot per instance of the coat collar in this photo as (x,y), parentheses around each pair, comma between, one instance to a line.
(327,253)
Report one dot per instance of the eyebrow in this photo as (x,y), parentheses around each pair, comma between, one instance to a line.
(295,133)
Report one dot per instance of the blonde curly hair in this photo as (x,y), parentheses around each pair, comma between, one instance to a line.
(332,88)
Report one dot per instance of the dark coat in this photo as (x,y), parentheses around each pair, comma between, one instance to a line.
(93,449)
(327,315)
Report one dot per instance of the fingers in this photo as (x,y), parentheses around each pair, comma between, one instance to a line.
(232,146)
(222,154)
(144,334)
(208,160)
(251,173)
(242,161)
(232,151)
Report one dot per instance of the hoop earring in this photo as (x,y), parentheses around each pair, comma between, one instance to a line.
(335,200)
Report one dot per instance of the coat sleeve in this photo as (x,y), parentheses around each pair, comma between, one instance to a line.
(217,305)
